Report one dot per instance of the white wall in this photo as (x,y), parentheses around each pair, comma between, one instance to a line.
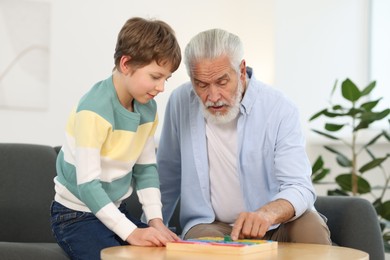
(380,50)
(318,42)
(300,47)
(83,37)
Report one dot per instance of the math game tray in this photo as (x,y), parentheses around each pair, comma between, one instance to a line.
(220,245)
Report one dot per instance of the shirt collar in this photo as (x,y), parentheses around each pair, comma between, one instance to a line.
(251,92)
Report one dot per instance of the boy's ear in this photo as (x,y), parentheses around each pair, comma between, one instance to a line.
(124,65)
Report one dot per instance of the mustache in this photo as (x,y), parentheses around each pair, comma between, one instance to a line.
(215,104)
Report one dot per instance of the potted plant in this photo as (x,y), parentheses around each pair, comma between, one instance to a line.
(345,122)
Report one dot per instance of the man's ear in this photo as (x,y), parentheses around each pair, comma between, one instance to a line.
(243,70)
(124,65)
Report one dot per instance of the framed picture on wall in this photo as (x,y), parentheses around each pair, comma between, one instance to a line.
(24,52)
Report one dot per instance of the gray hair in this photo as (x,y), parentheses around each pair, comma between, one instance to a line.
(212,44)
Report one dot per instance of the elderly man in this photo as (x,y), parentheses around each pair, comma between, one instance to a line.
(233,152)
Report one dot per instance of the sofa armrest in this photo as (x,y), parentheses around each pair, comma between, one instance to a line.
(353,222)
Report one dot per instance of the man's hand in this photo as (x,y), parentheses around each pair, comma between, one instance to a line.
(250,225)
(159,225)
(146,237)
(256,224)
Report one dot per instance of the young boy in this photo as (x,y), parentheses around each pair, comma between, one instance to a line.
(109,149)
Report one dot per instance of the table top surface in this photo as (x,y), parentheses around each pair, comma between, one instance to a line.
(288,251)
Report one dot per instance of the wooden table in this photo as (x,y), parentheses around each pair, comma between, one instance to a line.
(290,251)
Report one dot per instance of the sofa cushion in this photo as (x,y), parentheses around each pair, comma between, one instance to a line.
(26,192)
(41,251)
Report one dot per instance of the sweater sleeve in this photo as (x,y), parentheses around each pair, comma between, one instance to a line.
(146,178)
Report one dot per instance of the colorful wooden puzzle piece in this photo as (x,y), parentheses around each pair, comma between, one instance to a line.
(222,245)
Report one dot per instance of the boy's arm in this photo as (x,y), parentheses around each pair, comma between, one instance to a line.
(147,183)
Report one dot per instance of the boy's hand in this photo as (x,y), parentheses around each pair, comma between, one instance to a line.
(146,237)
(159,225)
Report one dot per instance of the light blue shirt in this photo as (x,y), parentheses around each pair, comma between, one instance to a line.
(272,161)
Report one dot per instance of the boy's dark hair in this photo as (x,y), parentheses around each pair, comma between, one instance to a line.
(146,41)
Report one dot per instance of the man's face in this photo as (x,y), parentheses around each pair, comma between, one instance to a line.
(219,88)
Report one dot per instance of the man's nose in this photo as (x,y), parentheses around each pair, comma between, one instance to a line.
(213,94)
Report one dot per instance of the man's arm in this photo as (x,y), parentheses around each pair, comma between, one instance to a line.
(256,224)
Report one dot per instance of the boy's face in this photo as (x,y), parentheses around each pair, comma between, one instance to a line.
(144,83)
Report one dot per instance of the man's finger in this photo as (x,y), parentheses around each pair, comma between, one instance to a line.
(237,228)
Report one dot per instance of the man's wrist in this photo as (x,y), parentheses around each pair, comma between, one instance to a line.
(154,220)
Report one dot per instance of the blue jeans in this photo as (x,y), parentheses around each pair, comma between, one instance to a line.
(81,235)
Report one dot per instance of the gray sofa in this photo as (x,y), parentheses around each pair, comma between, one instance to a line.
(26,191)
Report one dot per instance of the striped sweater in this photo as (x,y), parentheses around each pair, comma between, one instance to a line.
(108,152)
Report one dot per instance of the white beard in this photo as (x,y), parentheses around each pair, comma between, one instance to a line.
(232,112)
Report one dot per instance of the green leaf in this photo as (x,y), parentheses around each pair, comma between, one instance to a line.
(318,164)
(385,210)
(354,112)
(362,125)
(334,88)
(375,116)
(383,114)
(386,245)
(325,134)
(343,161)
(370,153)
(318,170)
(350,91)
(382,226)
(373,140)
(317,114)
(369,117)
(333,127)
(368,106)
(330,114)
(320,175)
(345,182)
(337,107)
(368,89)
(330,149)
(385,134)
(374,163)
(377,205)
(337,192)
(386,235)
